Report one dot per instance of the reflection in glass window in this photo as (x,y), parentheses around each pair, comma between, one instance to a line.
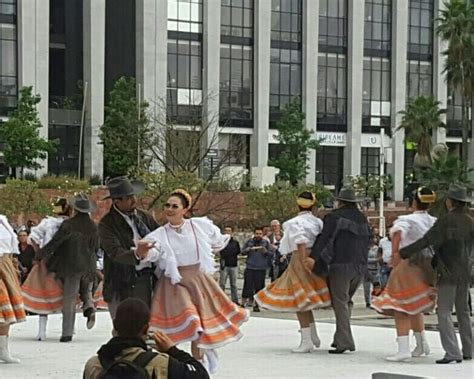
(370,161)
(329,167)
(8,59)
(420,48)
(184,78)
(332,66)
(236,63)
(285,60)
(376,75)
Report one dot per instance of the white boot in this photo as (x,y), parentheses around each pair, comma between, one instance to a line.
(4,353)
(42,322)
(422,346)
(306,344)
(314,335)
(212,360)
(204,362)
(404,354)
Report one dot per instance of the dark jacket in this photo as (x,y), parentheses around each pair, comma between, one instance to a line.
(72,249)
(229,255)
(344,242)
(451,237)
(176,364)
(259,259)
(116,239)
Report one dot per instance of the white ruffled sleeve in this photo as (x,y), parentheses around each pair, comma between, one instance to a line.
(209,239)
(38,232)
(402,225)
(294,235)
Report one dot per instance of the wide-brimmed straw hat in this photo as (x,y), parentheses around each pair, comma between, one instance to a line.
(122,186)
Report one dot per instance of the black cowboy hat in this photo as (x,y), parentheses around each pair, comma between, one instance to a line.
(81,203)
(459,193)
(122,186)
(348,195)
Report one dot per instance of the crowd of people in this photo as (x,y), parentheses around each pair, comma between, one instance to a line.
(158,286)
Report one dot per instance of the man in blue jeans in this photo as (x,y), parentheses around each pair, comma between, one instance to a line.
(229,259)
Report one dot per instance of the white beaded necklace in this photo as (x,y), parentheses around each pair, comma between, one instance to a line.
(177,228)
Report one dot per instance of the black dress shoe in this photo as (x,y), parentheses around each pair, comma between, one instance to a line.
(445,361)
(65,339)
(339,351)
(333,344)
(90,315)
(256,308)
(465,358)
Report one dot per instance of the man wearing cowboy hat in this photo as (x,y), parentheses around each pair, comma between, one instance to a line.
(121,232)
(70,254)
(340,252)
(451,237)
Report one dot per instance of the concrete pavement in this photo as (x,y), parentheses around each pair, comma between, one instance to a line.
(263,352)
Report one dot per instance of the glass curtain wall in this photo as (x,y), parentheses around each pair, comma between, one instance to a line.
(8,57)
(420,48)
(184,79)
(236,64)
(332,66)
(376,75)
(285,59)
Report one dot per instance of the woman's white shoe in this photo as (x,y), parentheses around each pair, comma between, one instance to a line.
(4,353)
(314,335)
(422,346)
(42,322)
(306,344)
(404,354)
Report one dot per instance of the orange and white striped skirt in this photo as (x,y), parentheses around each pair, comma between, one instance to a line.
(196,309)
(11,302)
(409,290)
(296,290)
(42,292)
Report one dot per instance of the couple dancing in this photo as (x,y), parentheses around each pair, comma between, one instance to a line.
(304,285)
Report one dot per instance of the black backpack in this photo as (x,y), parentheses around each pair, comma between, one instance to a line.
(123,369)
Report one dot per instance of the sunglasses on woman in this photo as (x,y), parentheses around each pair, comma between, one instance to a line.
(172,206)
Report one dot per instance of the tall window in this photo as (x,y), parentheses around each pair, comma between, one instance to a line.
(236,71)
(454,113)
(285,60)
(376,76)
(332,66)
(370,161)
(329,166)
(8,57)
(184,60)
(420,48)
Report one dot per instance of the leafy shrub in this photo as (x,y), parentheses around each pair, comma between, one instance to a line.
(95,180)
(63,183)
(22,196)
(31,177)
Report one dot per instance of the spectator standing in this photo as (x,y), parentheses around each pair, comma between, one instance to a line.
(129,346)
(27,254)
(229,265)
(274,236)
(371,277)
(385,252)
(258,251)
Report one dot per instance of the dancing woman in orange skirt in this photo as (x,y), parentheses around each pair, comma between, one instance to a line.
(11,301)
(42,292)
(298,290)
(188,304)
(409,291)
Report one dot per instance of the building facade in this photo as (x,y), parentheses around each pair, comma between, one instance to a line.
(352,65)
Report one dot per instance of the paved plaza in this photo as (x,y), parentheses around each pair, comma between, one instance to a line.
(263,352)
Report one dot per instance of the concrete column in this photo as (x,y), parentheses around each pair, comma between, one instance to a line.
(398,87)
(94,70)
(310,74)
(440,86)
(261,173)
(33,58)
(151,59)
(355,65)
(210,70)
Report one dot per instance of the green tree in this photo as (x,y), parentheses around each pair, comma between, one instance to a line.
(295,141)
(456,26)
(421,117)
(21,134)
(123,128)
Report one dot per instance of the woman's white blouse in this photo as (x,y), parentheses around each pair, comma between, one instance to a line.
(196,243)
(8,238)
(304,228)
(44,232)
(412,227)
